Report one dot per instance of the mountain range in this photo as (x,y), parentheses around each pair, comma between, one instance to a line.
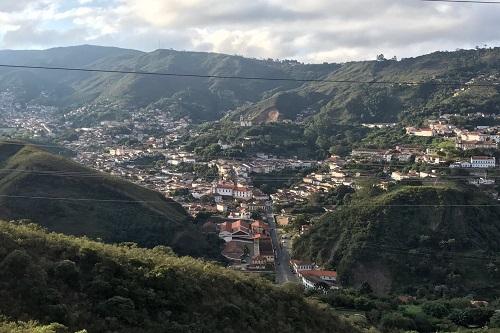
(205,99)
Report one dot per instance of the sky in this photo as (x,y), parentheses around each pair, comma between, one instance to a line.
(310,31)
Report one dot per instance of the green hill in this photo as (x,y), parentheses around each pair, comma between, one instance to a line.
(66,197)
(435,238)
(364,103)
(200,98)
(104,288)
(260,100)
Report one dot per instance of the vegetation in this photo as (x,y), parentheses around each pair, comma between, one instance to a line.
(92,204)
(83,284)
(438,240)
(403,313)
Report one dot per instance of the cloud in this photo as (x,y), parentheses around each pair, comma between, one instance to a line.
(312,31)
(29,36)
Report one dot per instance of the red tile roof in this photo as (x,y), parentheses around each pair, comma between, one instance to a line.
(319,273)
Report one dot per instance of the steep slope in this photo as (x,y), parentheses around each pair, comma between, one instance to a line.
(66,197)
(410,238)
(102,288)
(357,102)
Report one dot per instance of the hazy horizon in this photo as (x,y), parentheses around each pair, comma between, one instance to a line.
(313,32)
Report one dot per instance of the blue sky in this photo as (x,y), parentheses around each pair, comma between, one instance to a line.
(310,31)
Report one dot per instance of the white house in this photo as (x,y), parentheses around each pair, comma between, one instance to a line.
(299,265)
(242,193)
(482,162)
(224,190)
(312,278)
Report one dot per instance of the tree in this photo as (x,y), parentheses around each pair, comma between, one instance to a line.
(395,320)
(495,320)
(381,57)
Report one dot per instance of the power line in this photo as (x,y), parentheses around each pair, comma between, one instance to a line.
(82,199)
(256,78)
(27,197)
(465,1)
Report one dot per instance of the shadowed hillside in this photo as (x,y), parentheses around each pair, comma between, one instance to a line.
(102,288)
(410,238)
(66,197)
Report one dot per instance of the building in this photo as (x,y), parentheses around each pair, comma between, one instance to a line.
(243,193)
(315,279)
(259,227)
(299,265)
(225,190)
(233,251)
(426,132)
(263,247)
(232,190)
(376,155)
(238,230)
(482,162)
(467,145)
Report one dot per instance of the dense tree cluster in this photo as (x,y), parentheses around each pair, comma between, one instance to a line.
(81,284)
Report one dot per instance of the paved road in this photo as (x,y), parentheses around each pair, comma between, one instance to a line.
(283,272)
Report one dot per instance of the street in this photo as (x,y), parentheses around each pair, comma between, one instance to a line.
(283,272)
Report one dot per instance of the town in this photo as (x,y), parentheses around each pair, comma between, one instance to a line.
(257,227)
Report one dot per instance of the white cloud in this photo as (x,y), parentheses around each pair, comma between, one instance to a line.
(313,30)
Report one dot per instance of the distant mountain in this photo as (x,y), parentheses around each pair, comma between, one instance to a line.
(82,284)
(412,238)
(66,197)
(259,100)
(202,99)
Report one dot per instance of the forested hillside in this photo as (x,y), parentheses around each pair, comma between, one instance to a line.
(66,197)
(202,99)
(353,102)
(426,239)
(82,284)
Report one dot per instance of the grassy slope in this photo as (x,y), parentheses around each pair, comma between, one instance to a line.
(85,284)
(392,246)
(152,221)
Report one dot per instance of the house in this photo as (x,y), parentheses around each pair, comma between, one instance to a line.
(233,251)
(482,162)
(314,279)
(224,190)
(304,228)
(238,230)
(242,193)
(467,145)
(221,207)
(481,181)
(259,195)
(376,155)
(264,247)
(299,265)
(259,227)
(232,190)
(258,263)
(425,132)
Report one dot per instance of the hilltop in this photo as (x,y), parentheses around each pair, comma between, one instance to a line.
(434,239)
(102,288)
(66,197)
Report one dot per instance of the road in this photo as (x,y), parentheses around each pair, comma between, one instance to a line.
(283,272)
